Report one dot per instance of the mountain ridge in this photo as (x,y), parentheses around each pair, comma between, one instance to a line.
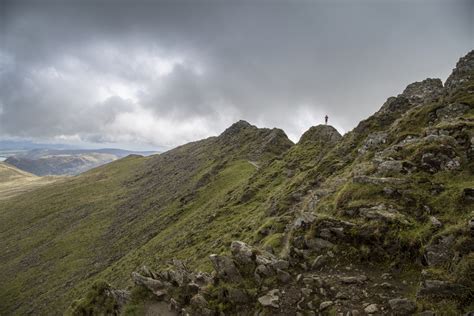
(374,221)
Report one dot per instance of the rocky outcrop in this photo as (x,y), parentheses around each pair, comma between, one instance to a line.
(321,133)
(188,292)
(440,251)
(463,73)
(373,141)
(384,213)
(426,91)
(452,111)
(225,268)
(253,143)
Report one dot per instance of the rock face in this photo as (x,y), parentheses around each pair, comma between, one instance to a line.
(321,133)
(225,268)
(463,73)
(425,91)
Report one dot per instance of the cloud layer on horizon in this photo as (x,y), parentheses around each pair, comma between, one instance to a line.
(159,74)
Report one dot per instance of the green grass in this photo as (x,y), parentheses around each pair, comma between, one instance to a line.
(56,236)
(105,223)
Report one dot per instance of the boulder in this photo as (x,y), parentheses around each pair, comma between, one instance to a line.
(242,253)
(388,167)
(434,162)
(332,229)
(383,213)
(371,309)
(121,297)
(271,299)
(155,286)
(440,251)
(303,220)
(280,264)
(373,141)
(319,261)
(318,244)
(325,305)
(263,271)
(202,279)
(402,306)
(179,274)
(237,295)
(435,222)
(283,276)
(440,289)
(306,291)
(354,279)
(198,301)
(225,268)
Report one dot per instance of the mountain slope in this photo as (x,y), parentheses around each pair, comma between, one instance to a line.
(378,221)
(14,181)
(98,222)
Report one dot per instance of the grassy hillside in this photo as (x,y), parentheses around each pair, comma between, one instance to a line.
(106,221)
(14,181)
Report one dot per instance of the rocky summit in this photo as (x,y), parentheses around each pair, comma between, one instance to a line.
(379,221)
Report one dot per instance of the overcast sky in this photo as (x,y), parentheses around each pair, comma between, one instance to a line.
(155,74)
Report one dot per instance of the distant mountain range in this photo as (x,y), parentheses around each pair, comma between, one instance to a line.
(42,162)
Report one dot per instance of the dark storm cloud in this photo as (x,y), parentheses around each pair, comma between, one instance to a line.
(164,73)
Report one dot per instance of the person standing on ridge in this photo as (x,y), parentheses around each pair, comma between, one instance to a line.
(326,119)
